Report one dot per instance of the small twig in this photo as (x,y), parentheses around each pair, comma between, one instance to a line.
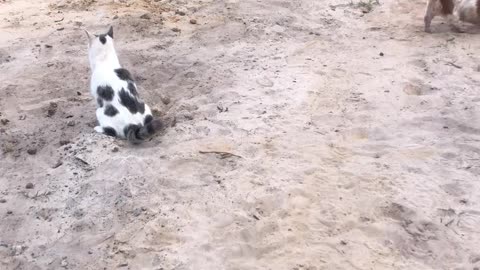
(453,65)
(223,155)
(450,222)
(37,195)
(81,161)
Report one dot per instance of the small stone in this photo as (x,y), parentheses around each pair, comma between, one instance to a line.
(29,186)
(193,21)
(64,142)
(58,164)
(181,13)
(48,46)
(61,29)
(137,212)
(115,149)
(382,54)
(175,29)
(165,100)
(146,16)
(3,201)
(9,212)
(22,117)
(52,109)
(32,151)
(71,123)
(18,249)
(4,121)
(79,93)
(77,23)
(115,17)
(125,264)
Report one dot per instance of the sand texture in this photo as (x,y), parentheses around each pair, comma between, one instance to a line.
(302,135)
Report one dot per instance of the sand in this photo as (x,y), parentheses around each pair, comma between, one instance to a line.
(302,135)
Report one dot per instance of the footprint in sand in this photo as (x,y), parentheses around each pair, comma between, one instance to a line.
(417,89)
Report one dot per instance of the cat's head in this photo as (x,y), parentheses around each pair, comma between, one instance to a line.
(100,47)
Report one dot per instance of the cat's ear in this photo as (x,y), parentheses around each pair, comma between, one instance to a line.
(89,36)
(110,32)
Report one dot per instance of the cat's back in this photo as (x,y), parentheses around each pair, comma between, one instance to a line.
(106,77)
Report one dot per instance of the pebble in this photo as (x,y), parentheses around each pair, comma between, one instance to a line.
(32,151)
(165,100)
(58,164)
(9,212)
(181,13)
(52,108)
(193,21)
(115,149)
(18,249)
(382,54)
(5,121)
(48,46)
(64,142)
(29,186)
(3,201)
(175,29)
(146,16)
(71,123)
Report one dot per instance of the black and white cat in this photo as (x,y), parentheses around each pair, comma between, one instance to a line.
(120,111)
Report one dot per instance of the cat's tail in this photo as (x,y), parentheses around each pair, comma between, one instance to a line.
(137,134)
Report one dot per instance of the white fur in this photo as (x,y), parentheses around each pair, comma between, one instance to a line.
(103,62)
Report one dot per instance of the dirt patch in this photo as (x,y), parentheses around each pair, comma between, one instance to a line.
(300,135)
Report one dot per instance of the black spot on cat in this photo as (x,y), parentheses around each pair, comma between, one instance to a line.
(141,107)
(102,38)
(100,102)
(109,131)
(128,101)
(105,92)
(132,88)
(147,119)
(124,74)
(110,110)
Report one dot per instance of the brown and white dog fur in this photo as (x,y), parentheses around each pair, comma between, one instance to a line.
(454,11)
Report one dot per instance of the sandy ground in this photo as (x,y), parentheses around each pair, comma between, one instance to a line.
(354,138)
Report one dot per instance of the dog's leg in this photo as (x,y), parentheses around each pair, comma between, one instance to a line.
(429,14)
